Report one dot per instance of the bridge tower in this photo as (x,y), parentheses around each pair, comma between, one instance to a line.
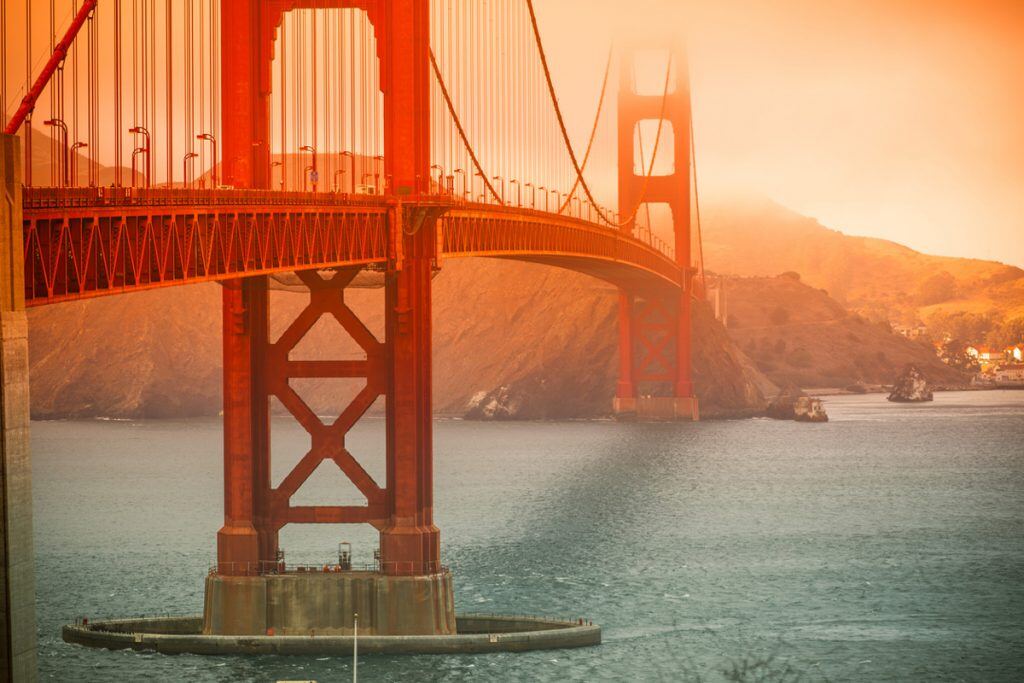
(411,593)
(655,339)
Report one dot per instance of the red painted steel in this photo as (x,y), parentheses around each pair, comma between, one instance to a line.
(98,248)
(660,328)
(81,245)
(95,241)
(60,52)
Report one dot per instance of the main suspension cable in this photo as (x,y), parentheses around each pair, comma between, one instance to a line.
(461,130)
(568,143)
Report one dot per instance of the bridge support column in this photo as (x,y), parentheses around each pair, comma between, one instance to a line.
(17,563)
(246,456)
(655,377)
(410,543)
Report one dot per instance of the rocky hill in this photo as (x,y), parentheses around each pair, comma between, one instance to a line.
(546,334)
(879,279)
(798,334)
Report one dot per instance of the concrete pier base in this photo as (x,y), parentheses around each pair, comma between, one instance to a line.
(17,563)
(323,604)
(654,408)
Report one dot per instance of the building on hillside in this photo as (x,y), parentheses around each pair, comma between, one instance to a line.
(1014,353)
(986,356)
(911,332)
(1010,376)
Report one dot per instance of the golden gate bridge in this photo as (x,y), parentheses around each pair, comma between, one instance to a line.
(233,140)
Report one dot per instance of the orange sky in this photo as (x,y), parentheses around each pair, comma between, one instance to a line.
(901,119)
(892,118)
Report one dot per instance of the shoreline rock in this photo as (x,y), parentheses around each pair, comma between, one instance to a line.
(793,404)
(911,387)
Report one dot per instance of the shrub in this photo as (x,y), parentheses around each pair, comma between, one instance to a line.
(936,289)
(800,358)
(779,316)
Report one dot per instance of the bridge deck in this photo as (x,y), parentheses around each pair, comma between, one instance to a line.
(89,242)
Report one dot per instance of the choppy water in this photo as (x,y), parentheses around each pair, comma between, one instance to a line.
(885,545)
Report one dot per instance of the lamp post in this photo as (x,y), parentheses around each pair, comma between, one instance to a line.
(186,178)
(440,176)
(213,166)
(139,130)
(544,190)
(533,195)
(557,195)
(502,197)
(281,164)
(74,161)
(63,127)
(313,174)
(365,176)
(462,173)
(376,176)
(519,192)
(353,163)
(480,175)
(337,185)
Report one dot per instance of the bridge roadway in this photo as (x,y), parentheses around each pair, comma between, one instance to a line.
(88,242)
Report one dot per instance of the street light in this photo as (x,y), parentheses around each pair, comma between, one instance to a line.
(213,141)
(74,161)
(139,130)
(519,191)
(557,194)
(368,175)
(58,123)
(462,173)
(440,176)
(314,175)
(502,198)
(533,195)
(337,185)
(281,164)
(353,162)
(545,191)
(376,177)
(483,187)
(185,176)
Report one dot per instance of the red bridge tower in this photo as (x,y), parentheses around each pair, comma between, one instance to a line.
(411,593)
(655,338)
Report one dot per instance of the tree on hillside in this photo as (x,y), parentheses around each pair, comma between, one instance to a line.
(954,354)
(973,328)
(1006,333)
(936,289)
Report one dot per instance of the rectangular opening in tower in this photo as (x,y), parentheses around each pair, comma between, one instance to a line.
(654,137)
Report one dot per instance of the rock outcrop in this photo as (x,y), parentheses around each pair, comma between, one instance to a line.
(793,404)
(911,387)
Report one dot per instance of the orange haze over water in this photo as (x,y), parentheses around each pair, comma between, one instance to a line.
(899,119)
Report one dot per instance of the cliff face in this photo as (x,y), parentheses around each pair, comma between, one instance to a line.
(547,333)
(800,335)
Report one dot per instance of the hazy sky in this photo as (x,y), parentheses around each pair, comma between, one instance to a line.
(901,119)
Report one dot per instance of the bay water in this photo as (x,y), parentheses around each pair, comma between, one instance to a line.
(885,545)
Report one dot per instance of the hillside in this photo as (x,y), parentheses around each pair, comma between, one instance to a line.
(881,280)
(546,332)
(795,333)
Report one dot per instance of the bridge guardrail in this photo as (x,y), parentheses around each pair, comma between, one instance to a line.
(269,568)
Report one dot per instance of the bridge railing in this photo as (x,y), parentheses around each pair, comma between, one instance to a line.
(268,568)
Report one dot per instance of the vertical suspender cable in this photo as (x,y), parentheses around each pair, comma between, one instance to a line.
(169,58)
